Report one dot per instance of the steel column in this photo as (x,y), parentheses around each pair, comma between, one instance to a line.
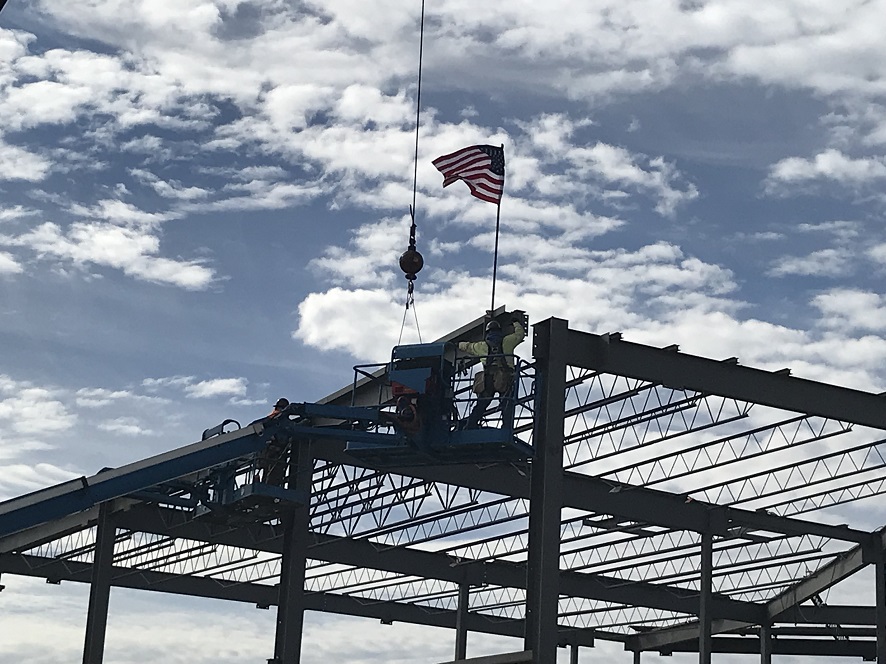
(573,654)
(100,587)
(705,617)
(546,490)
(461,621)
(291,604)
(880,582)
(765,643)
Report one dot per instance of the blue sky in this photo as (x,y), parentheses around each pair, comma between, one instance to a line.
(202,201)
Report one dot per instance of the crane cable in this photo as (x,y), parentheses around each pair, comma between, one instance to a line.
(411,262)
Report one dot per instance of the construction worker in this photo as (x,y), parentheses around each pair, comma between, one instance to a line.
(281,405)
(405,417)
(273,459)
(496,352)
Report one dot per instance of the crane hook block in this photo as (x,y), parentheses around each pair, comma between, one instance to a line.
(411,262)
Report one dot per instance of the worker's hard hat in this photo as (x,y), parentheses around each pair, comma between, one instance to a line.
(493,325)
(281,403)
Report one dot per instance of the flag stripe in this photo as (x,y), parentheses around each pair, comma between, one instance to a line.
(481,167)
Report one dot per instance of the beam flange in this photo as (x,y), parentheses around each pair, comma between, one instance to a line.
(683,371)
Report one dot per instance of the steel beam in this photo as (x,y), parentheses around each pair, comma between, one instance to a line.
(705,595)
(828,614)
(461,621)
(664,639)
(880,582)
(842,567)
(765,643)
(100,587)
(809,648)
(266,595)
(691,372)
(546,490)
(428,564)
(291,607)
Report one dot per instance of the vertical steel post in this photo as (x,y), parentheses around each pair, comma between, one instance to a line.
(573,654)
(100,587)
(765,643)
(705,642)
(291,604)
(637,656)
(546,490)
(880,583)
(461,621)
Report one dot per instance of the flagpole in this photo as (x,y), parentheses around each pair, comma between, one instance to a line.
(495,253)
(497,226)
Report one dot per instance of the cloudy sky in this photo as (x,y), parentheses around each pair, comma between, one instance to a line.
(202,203)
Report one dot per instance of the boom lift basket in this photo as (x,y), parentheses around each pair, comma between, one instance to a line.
(425,395)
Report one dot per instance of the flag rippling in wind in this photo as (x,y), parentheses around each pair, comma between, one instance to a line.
(481,167)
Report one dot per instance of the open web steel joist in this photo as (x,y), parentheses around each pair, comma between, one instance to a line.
(675,503)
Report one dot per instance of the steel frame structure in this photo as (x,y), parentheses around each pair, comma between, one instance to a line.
(662,510)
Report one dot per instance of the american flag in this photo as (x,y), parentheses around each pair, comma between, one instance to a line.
(481,167)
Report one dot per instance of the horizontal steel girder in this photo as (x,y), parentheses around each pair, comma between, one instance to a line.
(681,371)
(266,595)
(427,564)
(750,645)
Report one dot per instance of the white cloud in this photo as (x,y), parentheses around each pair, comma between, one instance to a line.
(373,249)
(260,195)
(195,389)
(828,165)
(8,264)
(552,138)
(100,397)
(121,212)
(823,263)
(169,381)
(131,250)
(877,253)
(33,410)
(44,102)
(849,309)
(168,188)
(842,230)
(17,479)
(18,164)
(125,426)
(217,387)
(16,212)
(358,321)
(616,288)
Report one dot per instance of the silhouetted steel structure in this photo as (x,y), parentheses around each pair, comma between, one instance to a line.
(674,503)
